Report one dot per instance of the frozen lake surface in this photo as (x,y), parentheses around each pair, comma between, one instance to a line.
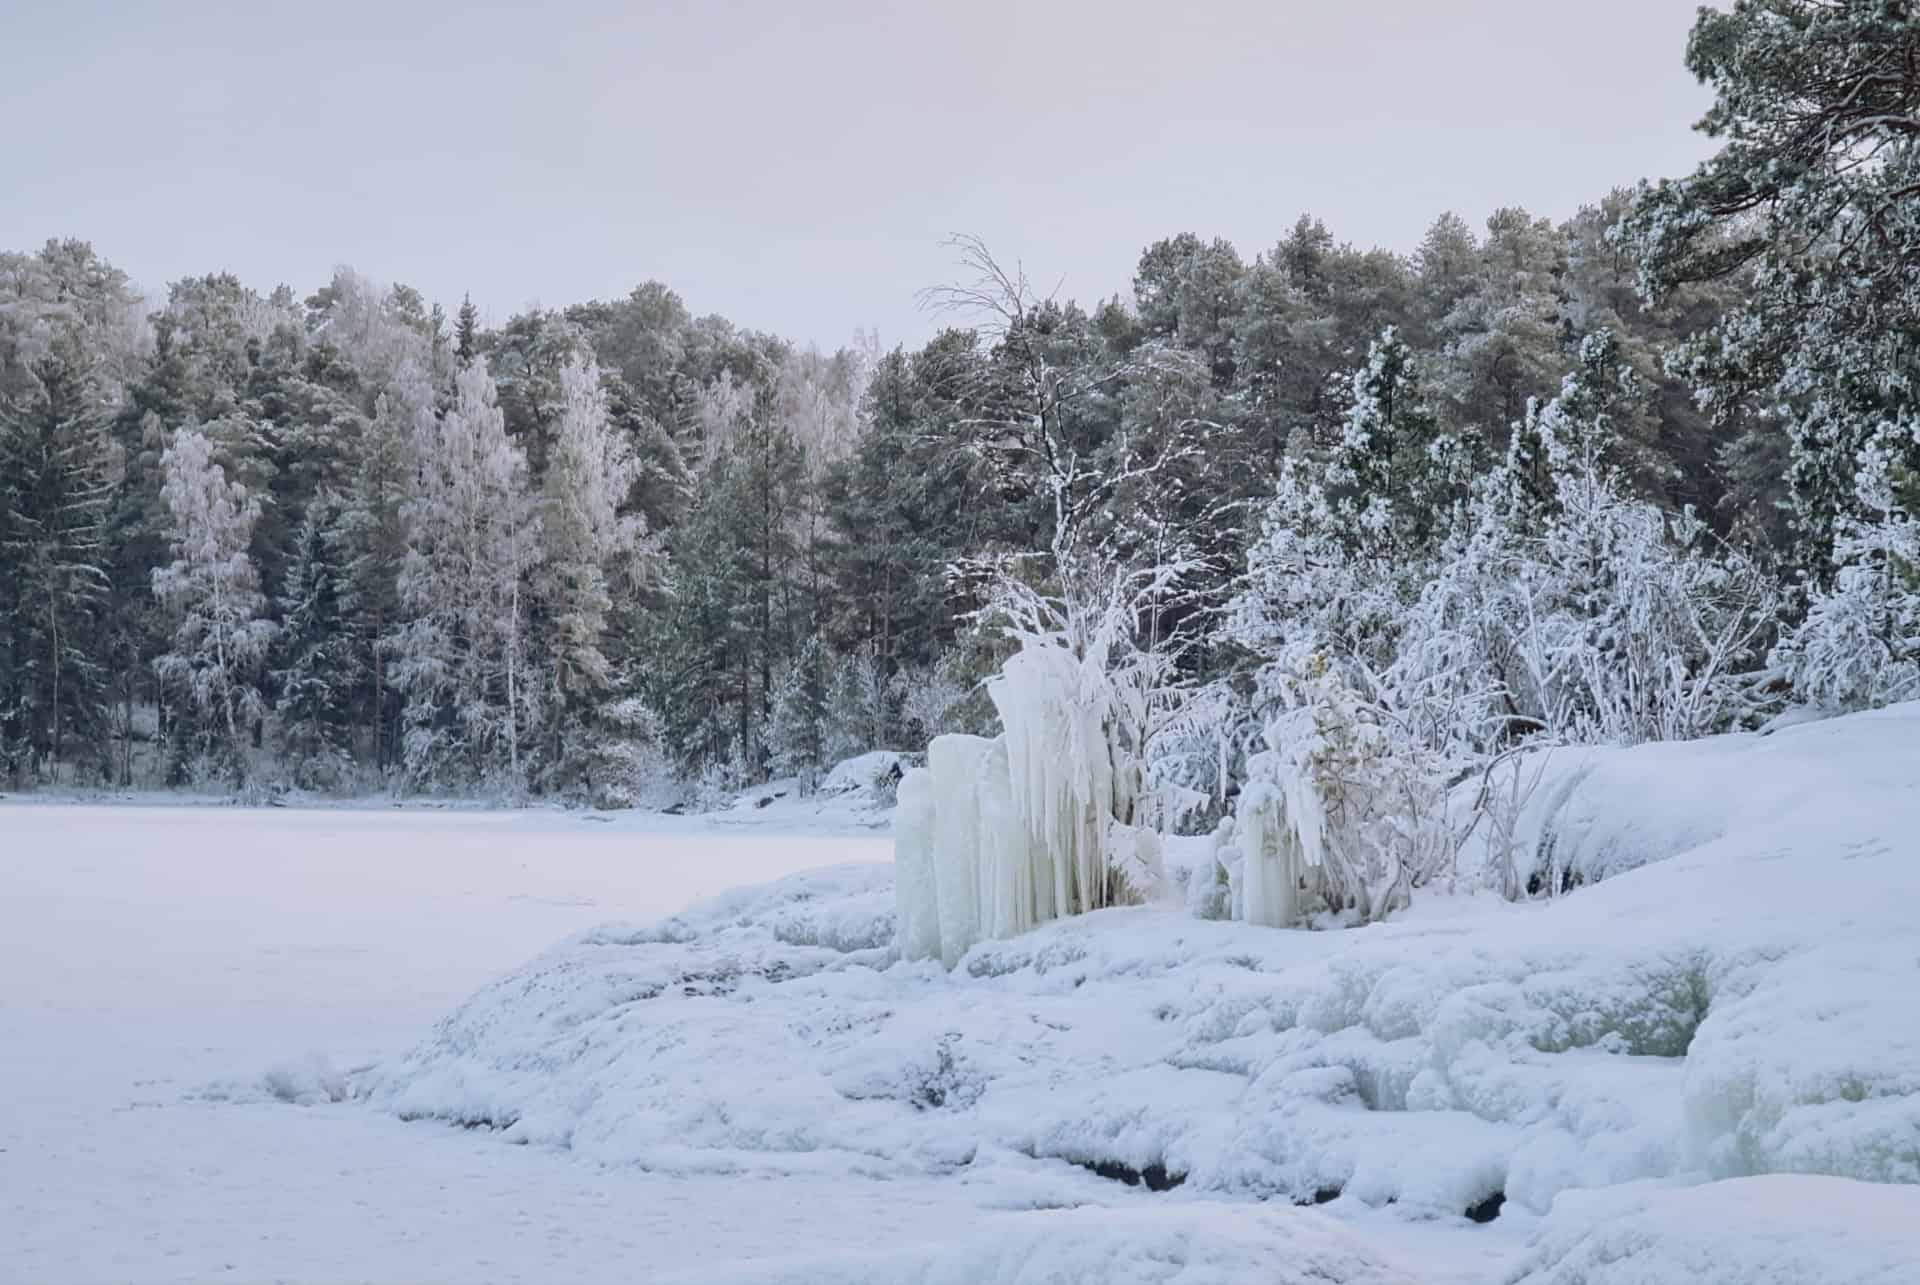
(148,952)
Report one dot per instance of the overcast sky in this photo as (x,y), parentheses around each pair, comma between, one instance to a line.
(794,165)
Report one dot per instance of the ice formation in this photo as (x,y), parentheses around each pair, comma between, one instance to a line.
(1278,829)
(996,836)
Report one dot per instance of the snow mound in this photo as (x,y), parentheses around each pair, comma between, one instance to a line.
(1192,1244)
(1742,1007)
(864,774)
(1775,1230)
(1589,812)
(848,799)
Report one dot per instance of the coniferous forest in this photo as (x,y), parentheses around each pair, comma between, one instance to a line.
(1648,473)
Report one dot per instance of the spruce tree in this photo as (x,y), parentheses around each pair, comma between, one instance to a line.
(316,674)
(466,332)
(56,483)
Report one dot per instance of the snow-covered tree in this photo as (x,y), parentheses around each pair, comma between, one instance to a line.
(220,632)
(1342,810)
(1813,201)
(591,544)
(865,704)
(461,656)
(374,537)
(57,467)
(800,724)
(1859,645)
(317,668)
(1569,607)
(1057,816)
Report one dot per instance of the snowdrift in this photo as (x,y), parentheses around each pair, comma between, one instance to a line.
(1739,1001)
(1593,813)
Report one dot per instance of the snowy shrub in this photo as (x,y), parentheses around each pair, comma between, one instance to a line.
(1859,646)
(930,697)
(628,765)
(1341,810)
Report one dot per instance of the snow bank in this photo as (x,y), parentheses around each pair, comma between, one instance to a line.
(1743,1007)
(1777,1230)
(1594,812)
(1191,1244)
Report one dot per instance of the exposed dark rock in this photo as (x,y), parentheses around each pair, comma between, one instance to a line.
(1489,1209)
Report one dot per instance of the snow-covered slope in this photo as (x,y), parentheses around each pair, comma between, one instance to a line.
(1740,1003)
(1598,812)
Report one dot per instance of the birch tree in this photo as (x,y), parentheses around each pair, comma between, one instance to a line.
(220,631)
(461,657)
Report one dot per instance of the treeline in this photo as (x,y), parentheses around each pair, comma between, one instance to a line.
(1595,479)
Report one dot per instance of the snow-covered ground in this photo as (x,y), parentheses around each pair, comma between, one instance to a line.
(1734,999)
(1703,1067)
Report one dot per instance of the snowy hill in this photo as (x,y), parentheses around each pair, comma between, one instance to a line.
(1730,995)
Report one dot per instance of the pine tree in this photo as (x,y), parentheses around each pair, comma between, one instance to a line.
(1813,203)
(800,724)
(1394,475)
(1503,337)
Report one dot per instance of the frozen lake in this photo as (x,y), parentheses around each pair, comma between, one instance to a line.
(146,952)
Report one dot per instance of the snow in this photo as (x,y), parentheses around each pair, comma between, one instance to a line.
(164,972)
(724,1092)
(1783,1229)
(858,775)
(1598,812)
(1741,1007)
(1188,1244)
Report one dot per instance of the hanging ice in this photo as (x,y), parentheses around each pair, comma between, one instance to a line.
(996,836)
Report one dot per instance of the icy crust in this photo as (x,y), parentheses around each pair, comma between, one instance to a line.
(1190,1244)
(1746,1006)
(1784,1229)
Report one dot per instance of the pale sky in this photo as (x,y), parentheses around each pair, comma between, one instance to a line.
(795,166)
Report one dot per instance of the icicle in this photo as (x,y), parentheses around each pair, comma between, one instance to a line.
(957,765)
(913,880)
